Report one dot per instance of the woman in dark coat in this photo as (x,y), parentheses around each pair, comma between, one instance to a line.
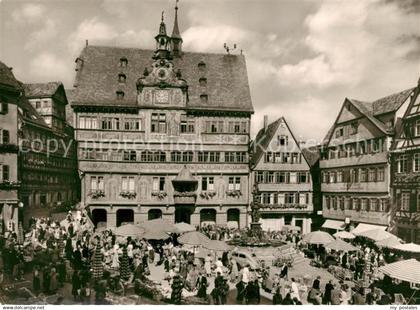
(69,248)
(284,272)
(240,292)
(77,259)
(224,290)
(75,281)
(61,270)
(202,286)
(176,286)
(287,300)
(46,280)
(253,293)
(277,298)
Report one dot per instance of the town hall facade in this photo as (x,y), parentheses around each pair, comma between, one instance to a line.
(162,133)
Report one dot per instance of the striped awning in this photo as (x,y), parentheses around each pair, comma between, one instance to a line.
(334,224)
(405,270)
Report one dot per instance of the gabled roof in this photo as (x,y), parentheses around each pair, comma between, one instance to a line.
(28,113)
(38,90)
(311,154)
(96,80)
(263,139)
(69,110)
(363,108)
(399,128)
(390,103)
(7,78)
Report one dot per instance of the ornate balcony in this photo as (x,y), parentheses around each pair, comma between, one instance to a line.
(185,197)
(185,186)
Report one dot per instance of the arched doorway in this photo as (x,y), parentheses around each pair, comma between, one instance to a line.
(125,216)
(183,215)
(233,218)
(154,214)
(208,216)
(98,216)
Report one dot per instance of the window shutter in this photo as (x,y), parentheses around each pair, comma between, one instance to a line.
(302,199)
(281,199)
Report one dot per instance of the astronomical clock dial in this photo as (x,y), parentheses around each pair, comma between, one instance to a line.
(162,96)
(162,74)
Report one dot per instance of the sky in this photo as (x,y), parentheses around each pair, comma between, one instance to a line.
(303,56)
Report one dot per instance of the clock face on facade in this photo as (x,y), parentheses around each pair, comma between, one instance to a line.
(162,96)
(162,74)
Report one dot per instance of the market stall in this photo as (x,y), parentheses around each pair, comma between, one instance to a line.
(318,237)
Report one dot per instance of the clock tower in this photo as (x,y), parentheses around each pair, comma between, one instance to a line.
(162,85)
(163,42)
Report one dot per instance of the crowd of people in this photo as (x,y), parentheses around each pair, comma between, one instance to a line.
(64,253)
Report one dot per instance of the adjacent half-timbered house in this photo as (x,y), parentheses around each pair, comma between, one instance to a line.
(405,159)
(355,167)
(283,178)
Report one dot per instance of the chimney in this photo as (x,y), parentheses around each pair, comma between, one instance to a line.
(265,123)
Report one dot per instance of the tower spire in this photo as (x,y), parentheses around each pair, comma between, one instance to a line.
(163,41)
(176,36)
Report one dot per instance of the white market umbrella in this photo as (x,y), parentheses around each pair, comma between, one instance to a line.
(405,270)
(408,247)
(388,242)
(218,245)
(129,230)
(376,234)
(184,227)
(340,245)
(344,235)
(194,238)
(318,237)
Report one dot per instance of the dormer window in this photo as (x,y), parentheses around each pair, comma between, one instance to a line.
(201,65)
(120,95)
(121,78)
(123,62)
(204,98)
(79,63)
(202,81)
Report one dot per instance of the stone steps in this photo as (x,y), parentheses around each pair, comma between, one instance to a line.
(297,258)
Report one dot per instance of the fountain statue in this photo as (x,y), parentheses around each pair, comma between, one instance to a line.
(256,230)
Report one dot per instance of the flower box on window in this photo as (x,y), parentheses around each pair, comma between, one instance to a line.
(9,184)
(128,194)
(234,193)
(8,147)
(184,194)
(160,194)
(97,194)
(207,195)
